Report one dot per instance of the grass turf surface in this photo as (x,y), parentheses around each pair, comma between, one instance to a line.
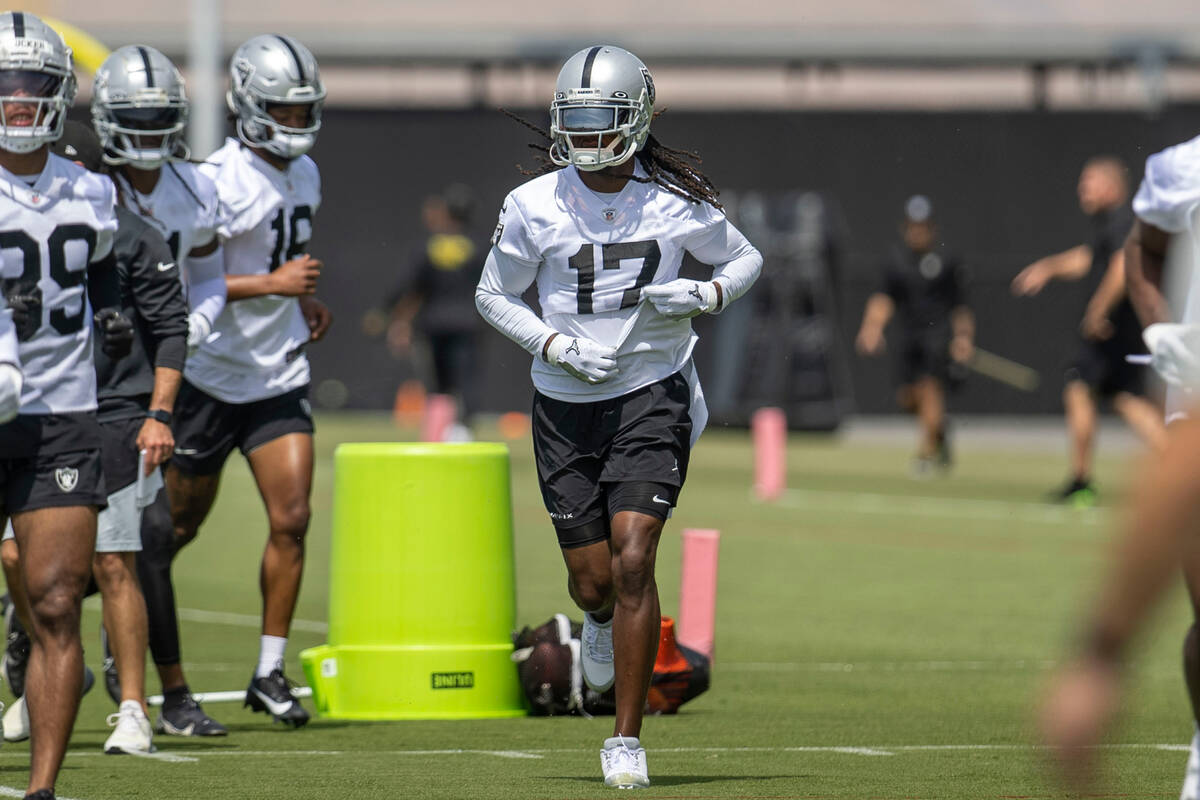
(877,637)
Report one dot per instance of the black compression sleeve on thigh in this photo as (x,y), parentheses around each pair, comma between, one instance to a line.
(154,571)
(653,499)
(583,535)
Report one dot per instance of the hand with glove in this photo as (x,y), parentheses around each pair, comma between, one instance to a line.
(11,382)
(26,313)
(116,333)
(199,329)
(683,298)
(589,361)
(1175,352)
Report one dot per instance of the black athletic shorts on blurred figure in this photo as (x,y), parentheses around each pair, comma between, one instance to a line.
(924,356)
(629,453)
(207,429)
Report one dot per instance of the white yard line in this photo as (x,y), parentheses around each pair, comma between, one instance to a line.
(226,618)
(953,507)
(245,620)
(1014,665)
(871,751)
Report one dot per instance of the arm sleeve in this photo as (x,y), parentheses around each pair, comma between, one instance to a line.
(8,336)
(158,296)
(498,298)
(206,283)
(104,283)
(960,277)
(737,263)
(1169,191)
(106,219)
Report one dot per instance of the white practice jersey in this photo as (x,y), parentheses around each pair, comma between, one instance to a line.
(49,233)
(1169,199)
(183,207)
(256,349)
(592,254)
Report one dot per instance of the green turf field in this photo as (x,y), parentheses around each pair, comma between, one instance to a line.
(877,637)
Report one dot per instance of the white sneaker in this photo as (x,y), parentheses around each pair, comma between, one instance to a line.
(624,763)
(1191,778)
(597,656)
(16,721)
(132,734)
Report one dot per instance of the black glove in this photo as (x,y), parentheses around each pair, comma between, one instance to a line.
(116,333)
(26,313)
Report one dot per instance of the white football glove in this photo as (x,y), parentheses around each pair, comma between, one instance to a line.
(589,361)
(1175,352)
(198,330)
(11,382)
(682,298)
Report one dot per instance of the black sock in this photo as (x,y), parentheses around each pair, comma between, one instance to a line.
(175,697)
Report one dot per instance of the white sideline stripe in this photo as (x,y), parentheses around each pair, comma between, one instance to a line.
(1017,665)
(955,507)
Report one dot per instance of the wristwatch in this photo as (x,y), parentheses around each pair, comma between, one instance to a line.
(160,415)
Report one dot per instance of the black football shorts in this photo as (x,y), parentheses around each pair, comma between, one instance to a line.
(629,453)
(207,429)
(49,461)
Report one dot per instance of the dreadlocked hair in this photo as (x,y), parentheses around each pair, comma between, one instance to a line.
(677,171)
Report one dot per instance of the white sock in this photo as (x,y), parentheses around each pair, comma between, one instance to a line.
(270,655)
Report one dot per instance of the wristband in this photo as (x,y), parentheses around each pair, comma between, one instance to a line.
(160,415)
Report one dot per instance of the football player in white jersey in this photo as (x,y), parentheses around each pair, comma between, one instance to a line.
(247,384)
(139,110)
(55,219)
(602,232)
(1165,515)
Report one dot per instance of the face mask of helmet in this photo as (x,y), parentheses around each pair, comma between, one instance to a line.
(144,137)
(31,108)
(286,141)
(603,133)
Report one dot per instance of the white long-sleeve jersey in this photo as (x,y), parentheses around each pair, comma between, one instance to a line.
(590,255)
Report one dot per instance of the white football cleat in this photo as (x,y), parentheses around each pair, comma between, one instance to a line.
(597,653)
(132,734)
(16,721)
(1191,778)
(623,760)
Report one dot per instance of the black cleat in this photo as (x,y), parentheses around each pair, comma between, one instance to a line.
(16,649)
(273,695)
(112,683)
(41,794)
(188,719)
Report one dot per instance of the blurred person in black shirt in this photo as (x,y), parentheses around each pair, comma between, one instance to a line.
(1108,328)
(925,290)
(437,300)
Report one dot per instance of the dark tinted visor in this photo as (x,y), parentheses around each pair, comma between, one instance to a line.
(150,118)
(588,119)
(283,114)
(27,82)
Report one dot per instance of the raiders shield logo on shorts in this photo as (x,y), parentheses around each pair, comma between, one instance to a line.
(66,478)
